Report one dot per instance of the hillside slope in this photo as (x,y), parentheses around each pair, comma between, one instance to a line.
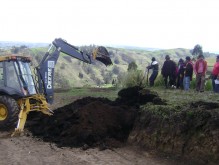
(81,74)
(71,72)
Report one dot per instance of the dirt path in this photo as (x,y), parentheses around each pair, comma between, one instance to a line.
(26,150)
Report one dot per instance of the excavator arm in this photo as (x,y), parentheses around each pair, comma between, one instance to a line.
(45,70)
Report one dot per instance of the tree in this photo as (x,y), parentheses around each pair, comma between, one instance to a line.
(116,70)
(132,66)
(116,60)
(15,50)
(197,51)
(80,75)
(108,77)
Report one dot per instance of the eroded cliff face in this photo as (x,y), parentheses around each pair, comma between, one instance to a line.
(190,132)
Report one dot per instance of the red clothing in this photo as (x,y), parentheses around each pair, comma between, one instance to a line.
(200,66)
(215,70)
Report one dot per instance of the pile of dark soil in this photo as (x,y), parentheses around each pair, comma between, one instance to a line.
(91,121)
(190,132)
(138,96)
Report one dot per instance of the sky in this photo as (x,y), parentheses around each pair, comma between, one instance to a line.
(164,24)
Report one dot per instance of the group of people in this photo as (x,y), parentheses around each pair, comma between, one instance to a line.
(180,75)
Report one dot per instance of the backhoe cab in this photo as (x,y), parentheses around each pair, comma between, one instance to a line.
(16,78)
(20,93)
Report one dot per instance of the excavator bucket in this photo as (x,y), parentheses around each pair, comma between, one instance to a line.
(101,54)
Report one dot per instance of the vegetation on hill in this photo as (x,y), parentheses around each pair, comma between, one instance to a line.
(71,72)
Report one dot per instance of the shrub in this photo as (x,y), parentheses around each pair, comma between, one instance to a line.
(107,77)
(60,81)
(68,58)
(116,70)
(208,85)
(80,75)
(132,78)
(132,66)
(116,60)
(62,66)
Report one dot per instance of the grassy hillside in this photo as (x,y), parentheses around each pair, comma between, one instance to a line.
(72,72)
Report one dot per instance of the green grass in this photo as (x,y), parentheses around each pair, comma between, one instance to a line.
(179,97)
(110,93)
(211,61)
(174,97)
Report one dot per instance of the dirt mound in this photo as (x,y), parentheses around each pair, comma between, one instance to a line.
(91,121)
(138,96)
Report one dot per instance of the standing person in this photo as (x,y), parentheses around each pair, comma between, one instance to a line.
(200,69)
(188,73)
(169,72)
(180,74)
(154,66)
(215,76)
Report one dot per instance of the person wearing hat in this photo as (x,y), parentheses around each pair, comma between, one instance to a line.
(180,74)
(169,72)
(155,67)
(200,69)
(188,73)
(215,76)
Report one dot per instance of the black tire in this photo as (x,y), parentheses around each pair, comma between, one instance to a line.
(9,112)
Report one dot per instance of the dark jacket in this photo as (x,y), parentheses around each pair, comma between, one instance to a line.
(181,69)
(154,66)
(189,70)
(169,68)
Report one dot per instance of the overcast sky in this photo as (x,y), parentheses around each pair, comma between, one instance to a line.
(147,23)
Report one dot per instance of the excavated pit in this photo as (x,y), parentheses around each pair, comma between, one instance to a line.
(190,131)
(92,121)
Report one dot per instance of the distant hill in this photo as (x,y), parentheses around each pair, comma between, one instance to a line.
(134,47)
(7,44)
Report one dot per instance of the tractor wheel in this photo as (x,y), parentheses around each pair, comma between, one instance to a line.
(8,112)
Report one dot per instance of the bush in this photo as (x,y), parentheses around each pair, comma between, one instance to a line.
(68,58)
(116,61)
(132,78)
(208,84)
(60,81)
(62,66)
(80,75)
(116,70)
(132,66)
(107,77)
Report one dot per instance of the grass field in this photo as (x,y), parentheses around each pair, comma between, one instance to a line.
(172,96)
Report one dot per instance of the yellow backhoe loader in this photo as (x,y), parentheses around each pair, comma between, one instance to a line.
(21,94)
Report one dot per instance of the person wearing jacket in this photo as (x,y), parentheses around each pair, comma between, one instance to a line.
(215,76)
(169,72)
(187,73)
(200,69)
(180,74)
(155,67)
